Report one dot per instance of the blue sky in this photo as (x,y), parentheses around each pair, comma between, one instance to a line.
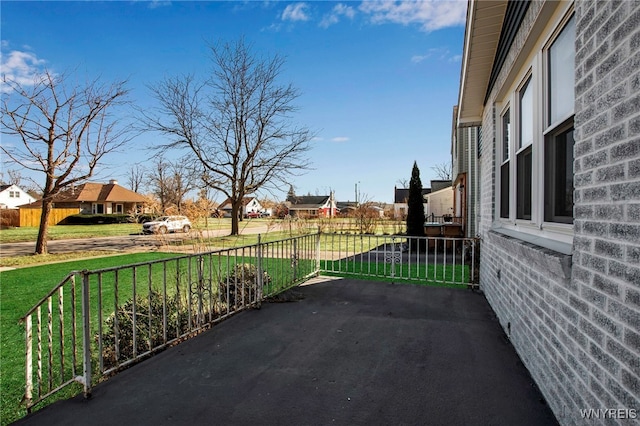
(378,79)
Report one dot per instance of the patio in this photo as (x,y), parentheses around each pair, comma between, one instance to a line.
(341,351)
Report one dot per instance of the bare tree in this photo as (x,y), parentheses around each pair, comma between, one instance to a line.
(158,182)
(14,177)
(136,177)
(10,177)
(62,129)
(170,182)
(366,215)
(236,126)
(443,170)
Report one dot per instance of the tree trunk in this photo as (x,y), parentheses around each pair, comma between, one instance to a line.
(43,231)
(235,207)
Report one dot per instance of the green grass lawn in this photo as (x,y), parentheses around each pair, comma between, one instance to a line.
(435,275)
(334,225)
(60,232)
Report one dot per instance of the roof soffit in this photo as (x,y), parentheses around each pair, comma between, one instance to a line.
(484,25)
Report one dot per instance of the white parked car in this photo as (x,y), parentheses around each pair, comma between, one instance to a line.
(165,224)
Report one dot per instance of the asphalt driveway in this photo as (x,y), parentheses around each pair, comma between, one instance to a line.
(342,352)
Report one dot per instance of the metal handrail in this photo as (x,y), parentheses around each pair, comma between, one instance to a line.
(121,315)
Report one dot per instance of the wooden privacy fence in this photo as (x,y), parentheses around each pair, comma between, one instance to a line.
(31,217)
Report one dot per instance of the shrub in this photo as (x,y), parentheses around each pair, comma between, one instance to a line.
(146,338)
(95,219)
(9,218)
(241,286)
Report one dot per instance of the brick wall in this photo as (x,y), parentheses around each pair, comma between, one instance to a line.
(606,260)
(575,319)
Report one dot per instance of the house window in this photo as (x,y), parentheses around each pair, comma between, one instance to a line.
(559,175)
(535,138)
(98,208)
(524,183)
(14,194)
(558,162)
(561,75)
(524,156)
(504,168)
(119,209)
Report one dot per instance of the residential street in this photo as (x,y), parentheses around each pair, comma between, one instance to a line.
(123,243)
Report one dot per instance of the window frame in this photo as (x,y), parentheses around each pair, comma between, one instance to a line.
(554,128)
(505,162)
(524,150)
(533,74)
(550,175)
(96,207)
(561,120)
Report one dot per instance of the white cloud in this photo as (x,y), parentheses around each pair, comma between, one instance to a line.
(340,139)
(431,15)
(336,13)
(275,27)
(295,12)
(328,20)
(154,4)
(416,59)
(439,54)
(344,10)
(19,67)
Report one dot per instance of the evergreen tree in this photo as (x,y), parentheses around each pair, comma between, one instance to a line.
(415,206)
(291,195)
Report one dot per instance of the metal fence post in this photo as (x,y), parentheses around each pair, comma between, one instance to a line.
(317,268)
(260,276)
(200,292)
(86,335)
(294,260)
(28,393)
(393,258)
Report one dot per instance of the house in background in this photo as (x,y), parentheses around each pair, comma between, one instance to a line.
(96,198)
(351,208)
(12,196)
(87,198)
(400,198)
(249,205)
(554,87)
(438,200)
(464,169)
(312,206)
(347,208)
